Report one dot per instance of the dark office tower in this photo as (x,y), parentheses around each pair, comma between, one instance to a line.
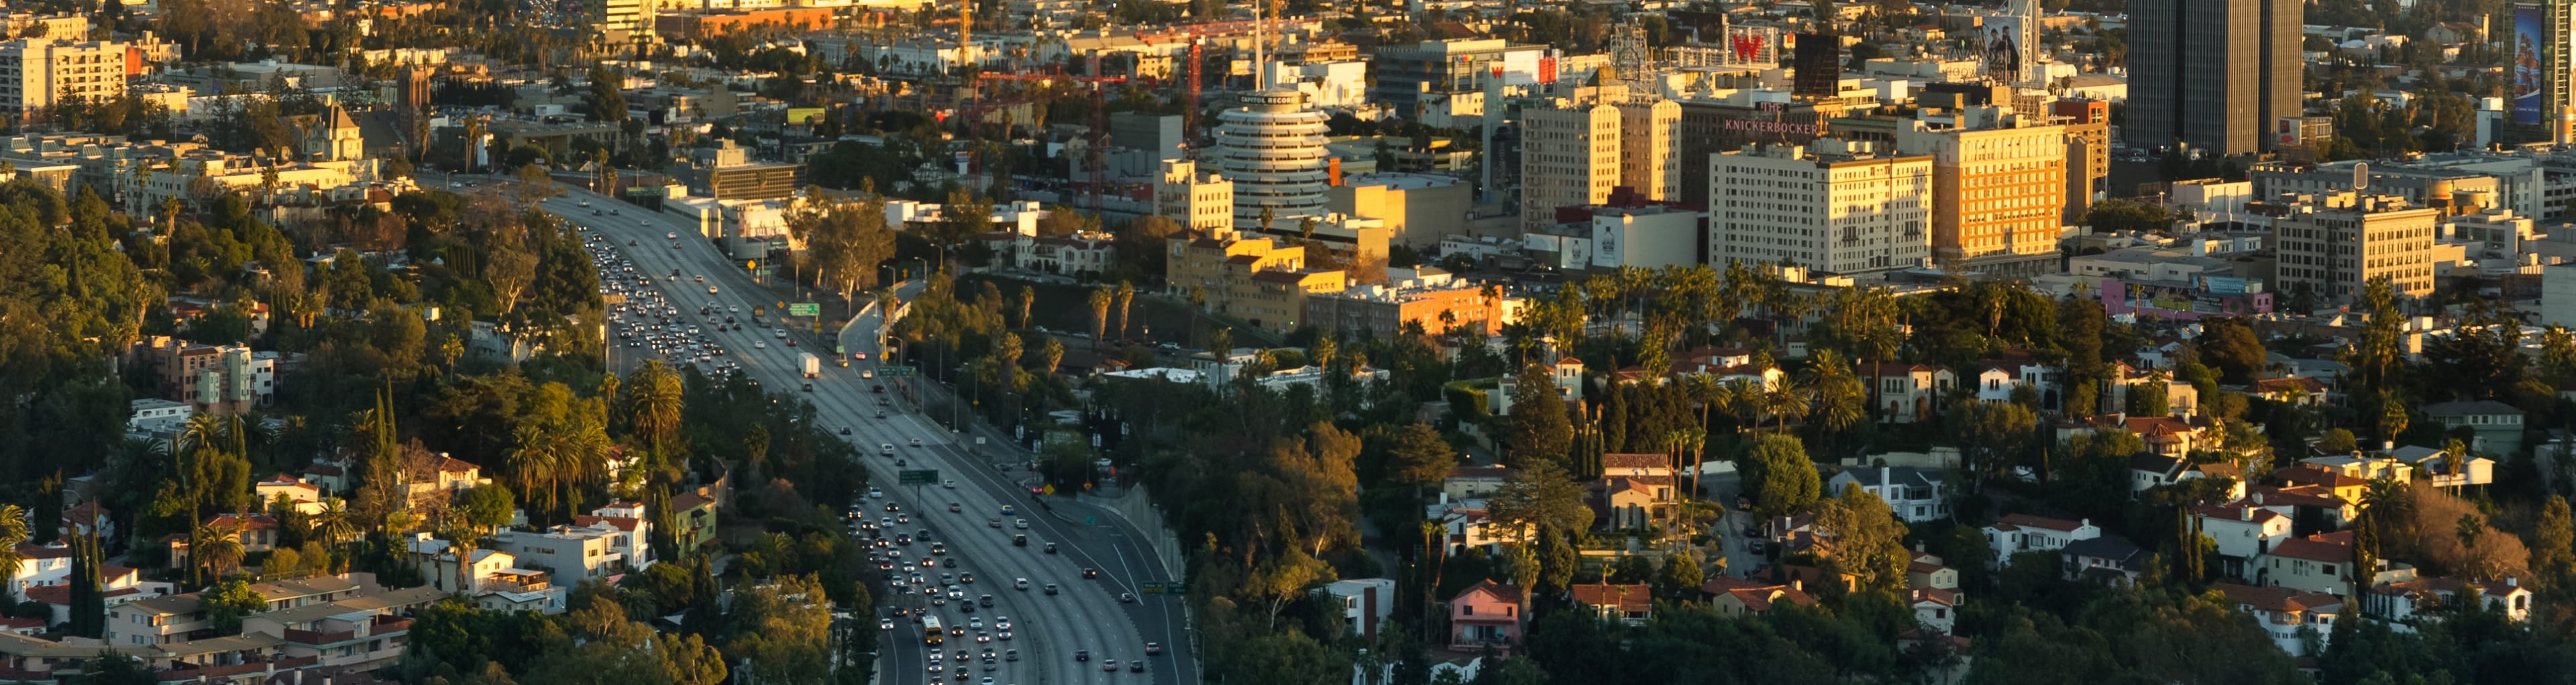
(1817,68)
(2212,74)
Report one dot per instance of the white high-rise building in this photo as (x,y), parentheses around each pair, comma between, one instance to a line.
(1272,148)
(1837,207)
(36,73)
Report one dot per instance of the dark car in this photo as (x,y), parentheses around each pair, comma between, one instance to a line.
(1050,548)
(1087,573)
(1082,655)
(1153,649)
(1137,666)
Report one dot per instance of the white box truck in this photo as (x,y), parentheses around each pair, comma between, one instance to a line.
(813,365)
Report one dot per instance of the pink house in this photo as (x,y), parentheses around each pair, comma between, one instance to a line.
(1487,614)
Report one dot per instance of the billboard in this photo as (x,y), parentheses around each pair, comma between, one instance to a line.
(2285,130)
(2530,54)
(1999,47)
(1520,67)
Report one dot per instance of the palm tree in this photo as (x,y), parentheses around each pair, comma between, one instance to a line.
(332,524)
(1841,400)
(13,530)
(1694,442)
(532,462)
(1100,299)
(1785,402)
(655,404)
(216,550)
(461,541)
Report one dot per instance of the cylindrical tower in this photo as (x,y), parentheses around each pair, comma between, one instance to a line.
(1272,148)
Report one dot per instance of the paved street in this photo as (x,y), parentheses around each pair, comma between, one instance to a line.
(1086,616)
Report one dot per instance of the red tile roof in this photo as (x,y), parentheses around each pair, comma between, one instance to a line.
(1613,463)
(2332,548)
(1757,596)
(1634,599)
(2020,521)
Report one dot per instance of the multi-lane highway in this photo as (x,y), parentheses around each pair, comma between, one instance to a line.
(1086,617)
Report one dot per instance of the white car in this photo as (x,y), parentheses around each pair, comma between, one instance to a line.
(950,483)
(885,624)
(760,344)
(874,493)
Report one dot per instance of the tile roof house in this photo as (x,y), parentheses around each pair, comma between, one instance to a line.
(1631,604)
(1928,571)
(2242,531)
(1738,596)
(2307,392)
(2407,604)
(1486,615)
(2316,500)
(1907,393)
(1632,502)
(2019,533)
(1935,608)
(2316,563)
(2281,612)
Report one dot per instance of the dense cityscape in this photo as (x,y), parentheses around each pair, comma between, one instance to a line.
(1435,342)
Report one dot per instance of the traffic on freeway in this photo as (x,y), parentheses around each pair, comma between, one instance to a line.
(1019,596)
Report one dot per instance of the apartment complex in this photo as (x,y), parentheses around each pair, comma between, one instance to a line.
(1260,280)
(2088,152)
(1569,158)
(2213,74)
(1435,299)
(1839,207)
(213,379)
(2334,244)
(36,73)
(1649,138)
(1198,200)
(1998,194)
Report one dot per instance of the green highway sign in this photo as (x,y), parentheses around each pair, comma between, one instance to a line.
(804,309)
(1150,588)
(917,477)
(894,371)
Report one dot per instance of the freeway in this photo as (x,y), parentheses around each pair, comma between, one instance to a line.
(1087,616)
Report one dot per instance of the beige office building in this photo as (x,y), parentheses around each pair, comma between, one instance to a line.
(2333,244)
(36,73)
(1837,206)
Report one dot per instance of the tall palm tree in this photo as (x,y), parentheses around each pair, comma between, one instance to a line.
(1785,402)
(654,404)
(1841,401)
(332,523)
(532,462)
(13,530)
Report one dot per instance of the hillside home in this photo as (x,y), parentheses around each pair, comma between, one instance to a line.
(2019,533)
(2281,612)
(1914,493)
(1486,615)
